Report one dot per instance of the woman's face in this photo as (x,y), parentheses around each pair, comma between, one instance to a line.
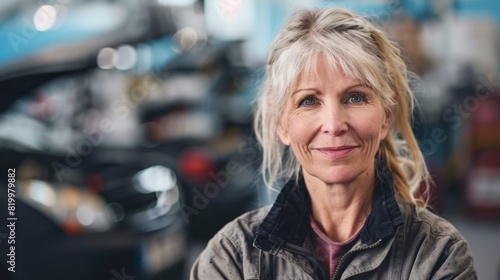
(334,125)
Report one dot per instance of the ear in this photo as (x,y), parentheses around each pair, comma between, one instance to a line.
(283,134)
(386,124)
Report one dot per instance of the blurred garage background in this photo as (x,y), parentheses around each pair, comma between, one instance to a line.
(128,124)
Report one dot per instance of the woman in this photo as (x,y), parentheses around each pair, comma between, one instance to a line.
(333,117)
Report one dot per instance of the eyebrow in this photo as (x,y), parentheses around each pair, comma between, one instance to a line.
(317,90)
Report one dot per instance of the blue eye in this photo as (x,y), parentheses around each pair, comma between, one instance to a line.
(309,101)
(356,98)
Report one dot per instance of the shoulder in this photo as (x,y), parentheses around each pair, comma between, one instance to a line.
(230,254)
(438,248)
(419,219)
(425,221)
(237,236)
(242,229)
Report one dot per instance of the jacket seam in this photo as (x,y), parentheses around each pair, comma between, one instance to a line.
(433,233)
(237,248)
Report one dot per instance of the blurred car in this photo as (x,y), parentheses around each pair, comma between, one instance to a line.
(77,224)
(110,169)
(124,221)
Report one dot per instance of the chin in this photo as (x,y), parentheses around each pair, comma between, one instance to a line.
(342,176)
(338,175)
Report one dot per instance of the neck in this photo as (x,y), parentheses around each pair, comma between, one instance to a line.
(341,209)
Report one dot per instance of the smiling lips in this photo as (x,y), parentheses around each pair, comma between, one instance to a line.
(337,152)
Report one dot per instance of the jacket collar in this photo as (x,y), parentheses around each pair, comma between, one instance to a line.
(288,219)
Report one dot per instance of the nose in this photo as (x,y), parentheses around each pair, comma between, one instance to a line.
(334,121)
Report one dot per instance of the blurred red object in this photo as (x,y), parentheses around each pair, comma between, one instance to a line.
(95,184)
(196,165)
(482,189)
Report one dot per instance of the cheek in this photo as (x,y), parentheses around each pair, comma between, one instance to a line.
(368,126)
(301,130)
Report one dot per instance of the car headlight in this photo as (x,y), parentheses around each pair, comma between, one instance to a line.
(74,209)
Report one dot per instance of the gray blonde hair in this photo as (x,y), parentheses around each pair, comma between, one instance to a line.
(360,50)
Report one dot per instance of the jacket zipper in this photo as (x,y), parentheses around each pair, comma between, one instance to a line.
(351,252)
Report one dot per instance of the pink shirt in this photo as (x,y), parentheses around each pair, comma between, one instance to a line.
(327,252)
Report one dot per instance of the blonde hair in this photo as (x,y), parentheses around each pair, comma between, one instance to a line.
(360,50)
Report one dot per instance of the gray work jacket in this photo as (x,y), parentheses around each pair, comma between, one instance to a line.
(398,241)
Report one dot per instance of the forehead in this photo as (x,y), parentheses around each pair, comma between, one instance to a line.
(323,69)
